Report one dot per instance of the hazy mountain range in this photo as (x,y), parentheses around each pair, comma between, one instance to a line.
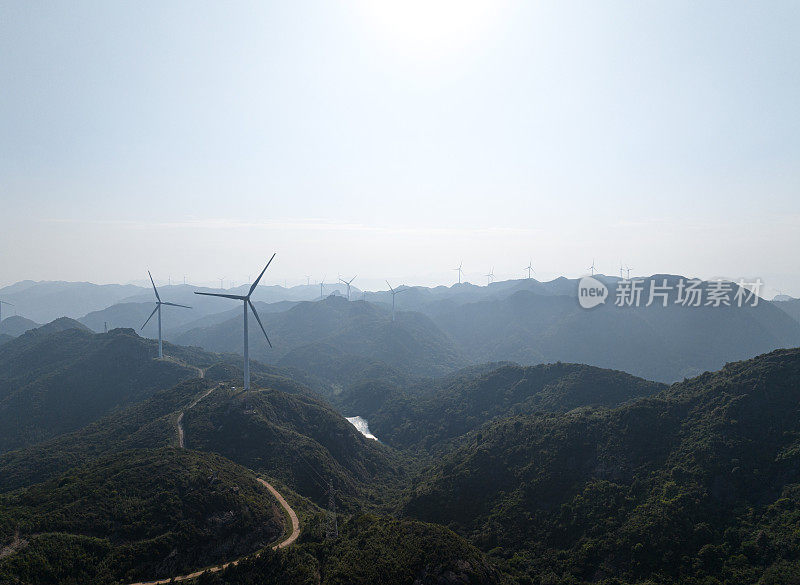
(438,330)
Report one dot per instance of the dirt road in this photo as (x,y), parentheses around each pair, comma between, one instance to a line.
(284,543)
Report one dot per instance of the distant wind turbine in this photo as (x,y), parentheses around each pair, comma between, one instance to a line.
(620,269)
(308,280)
(1,307)
(322,288)
(490,277)
(246,302)
(460,272)
(529,268)
(159,302)
(348,283)
(628,269)
(221,284)
(592,268)
(395,291)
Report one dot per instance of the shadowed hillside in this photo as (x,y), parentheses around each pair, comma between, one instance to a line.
(699,482)
(297,439)
(411,344)
(135,515)
(58,381)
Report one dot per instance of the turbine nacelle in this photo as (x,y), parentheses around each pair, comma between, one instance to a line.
(159,302)
(247,303)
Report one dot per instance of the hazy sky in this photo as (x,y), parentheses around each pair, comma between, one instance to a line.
(397,139)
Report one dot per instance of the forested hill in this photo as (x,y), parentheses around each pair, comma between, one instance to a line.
(428,417)
(55,380)
(698,484)
(135,515)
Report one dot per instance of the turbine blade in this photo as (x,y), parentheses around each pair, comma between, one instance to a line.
(390,286)
(176,305)
(255,284)
(150,317)
(154,285)
(252,308)
(236,297)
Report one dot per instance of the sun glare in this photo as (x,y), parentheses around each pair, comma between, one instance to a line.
(433,28)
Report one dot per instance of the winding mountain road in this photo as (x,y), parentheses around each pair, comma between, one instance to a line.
(215,569)
(290,539)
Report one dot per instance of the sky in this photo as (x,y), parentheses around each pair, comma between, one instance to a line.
(395,140)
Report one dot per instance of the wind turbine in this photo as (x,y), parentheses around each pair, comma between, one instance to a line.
(308,280)
(159,302)
(459,271)
(246,302)
(628,268)
(322,288)
(1,307)
(348,283)
(490,277)
(592,268)
(395,291)
(620,269)
(529,268)
(221,285)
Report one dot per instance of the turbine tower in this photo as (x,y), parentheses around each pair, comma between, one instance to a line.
(460,272)
(159,302)
(490,277)
(395,291)
(245,303)
(628,269)
(322,288)
(308,280)
(1,308)
(620,270)
(592,268)
(529,268)
(348,283)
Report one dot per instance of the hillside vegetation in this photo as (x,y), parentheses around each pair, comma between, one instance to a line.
(57,381)
(135,515)
(433,413)
(698,484)
(297,439)
(370,550)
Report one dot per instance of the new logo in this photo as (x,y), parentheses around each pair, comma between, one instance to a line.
(591,292)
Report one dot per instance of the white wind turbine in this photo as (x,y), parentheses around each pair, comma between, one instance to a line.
(395,291)
(529,268)
(322,288)
(592,267)
(1,307)
(489,277)
(246,302)
(460,272)
(628,269)
(348,283)
(159,302)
